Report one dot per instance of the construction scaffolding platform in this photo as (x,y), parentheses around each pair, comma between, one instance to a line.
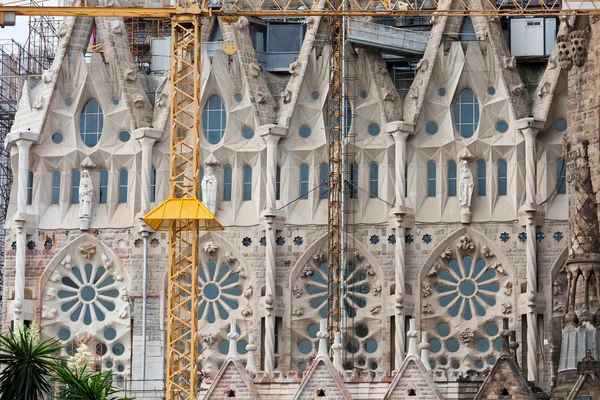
(387,39)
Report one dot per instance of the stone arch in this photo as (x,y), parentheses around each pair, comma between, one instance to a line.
(364,307)
(452,237)
(236,298)
(83,298)
(466,286)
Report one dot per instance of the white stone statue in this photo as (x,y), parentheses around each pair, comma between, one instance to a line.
(209,189)
(86,191)
(466,185)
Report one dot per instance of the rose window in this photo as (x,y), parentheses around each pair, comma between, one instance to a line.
(356,287)
(88,294)
(219,289)
(84,301)
(464,294)
(466,289)
(362,308)
(225,293)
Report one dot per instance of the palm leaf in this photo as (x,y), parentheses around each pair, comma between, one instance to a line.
(83,385)
(27,365)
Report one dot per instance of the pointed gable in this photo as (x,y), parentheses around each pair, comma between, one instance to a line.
(586,385)
(413,381)
(322,375)
(232,377)
(505,378)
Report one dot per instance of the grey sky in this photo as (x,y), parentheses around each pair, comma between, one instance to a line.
(20,31)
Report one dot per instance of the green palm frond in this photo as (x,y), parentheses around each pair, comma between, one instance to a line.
(27,365)
(83,385)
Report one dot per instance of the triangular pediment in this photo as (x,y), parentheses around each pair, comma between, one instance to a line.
(586,384)
(412,381)
(507,379)
(322,380)
(232,381)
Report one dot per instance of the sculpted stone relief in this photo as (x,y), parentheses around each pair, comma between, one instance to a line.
(362,305)
(464,295)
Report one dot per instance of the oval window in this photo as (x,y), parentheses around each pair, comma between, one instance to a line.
(214,120)
(91,123)
(466,113)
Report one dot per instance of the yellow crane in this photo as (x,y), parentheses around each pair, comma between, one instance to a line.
(182,214)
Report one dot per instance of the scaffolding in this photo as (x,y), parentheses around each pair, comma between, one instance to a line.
(19,62)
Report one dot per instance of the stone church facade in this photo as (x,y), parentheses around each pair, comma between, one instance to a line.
(457,255)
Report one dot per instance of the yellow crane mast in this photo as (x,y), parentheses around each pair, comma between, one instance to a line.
(182,214)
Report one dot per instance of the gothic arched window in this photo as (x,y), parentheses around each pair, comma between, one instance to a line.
(431,179)
(123,178)
(502,178)
(481,178)
(152,185)
(55,187)
(278,183)
(227,179)
(561,176)
(304,175)
(373,180)
(103,186)
(452,179)
(247,172)
(324,180)
(29,187)
(75,177)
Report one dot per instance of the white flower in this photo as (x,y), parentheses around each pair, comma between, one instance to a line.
(81,359)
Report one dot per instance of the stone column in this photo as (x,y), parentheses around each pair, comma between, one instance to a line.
(400,131)
(19,300)
(270,292)
(23,142)
(23,146)
(271,134)
(146,137)
(530,127)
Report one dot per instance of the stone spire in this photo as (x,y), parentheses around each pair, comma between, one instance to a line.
(424,346)
(233,337)
(251,348)
(337,352)
(323,335)
(412,339)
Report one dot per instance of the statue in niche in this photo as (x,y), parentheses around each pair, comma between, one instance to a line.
(209,189)
(466,185)
(86,190)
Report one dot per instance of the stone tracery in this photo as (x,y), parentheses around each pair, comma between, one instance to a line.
(362,305)
(225,294)
(465,306)
(85,301)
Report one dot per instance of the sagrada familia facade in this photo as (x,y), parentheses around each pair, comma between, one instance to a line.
(475,270)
